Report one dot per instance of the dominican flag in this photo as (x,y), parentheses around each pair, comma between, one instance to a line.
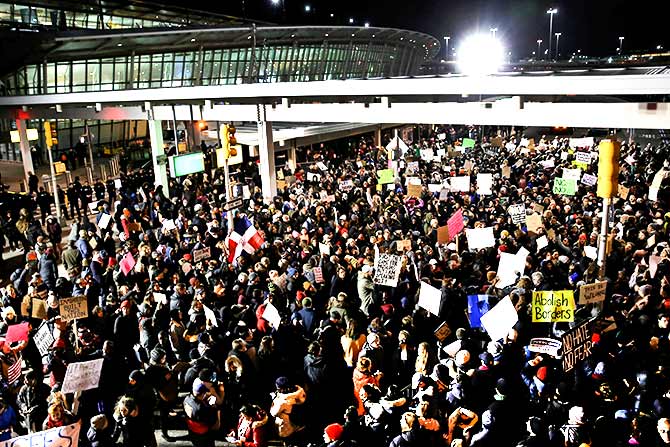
(245,237)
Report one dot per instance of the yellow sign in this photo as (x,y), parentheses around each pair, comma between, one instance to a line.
(552,306)
(59,167)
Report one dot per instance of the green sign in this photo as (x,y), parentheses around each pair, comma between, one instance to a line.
(565,187)
(580,165)
(186,164)
(385,176)
(468,142)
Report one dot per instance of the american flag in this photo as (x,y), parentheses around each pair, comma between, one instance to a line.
(245,237)
(14,370)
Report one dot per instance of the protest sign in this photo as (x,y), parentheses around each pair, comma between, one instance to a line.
(324,249)
(117,183)
(73,308)
(452,348)
(443,331)
(127,263)
(444,194)
(468,143)
(537,208)
(455,223)
(479,238)
(385,176)
(586,142)
(322,166)
(405,244)
(484,184)
(443,236)
(547,346)
(39,309)
(82,376)
(134,227)
(572,174)
(548,164)
(506,171)
(17,332)
(583,157)
(44,339)
(311,177)
(591,252)
(566,187)
(318,275)
(346,185)
(656,184)
(497,141)
(412,167)
(169,225)
(499,320)
(534,223)
(210,316)
(203,253)
(467,166)
(592,293)
(589,180)
(576,345)
(435,187)
(412,181)
(427,155)
(542,242)
(510,269)
(414,190)
(429,298)
(271,314)
(622,192)
(160,298)
(387,270)
(518,213)
(65,436)
(460,184)
(653,265)
(552,306)
(104,220)
(478,305)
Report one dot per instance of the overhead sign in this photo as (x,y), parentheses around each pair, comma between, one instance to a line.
(576,345)
(82,376)
(233,204)
(186,164)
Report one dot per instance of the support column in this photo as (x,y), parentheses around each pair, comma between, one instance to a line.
(378,136)
(266,152)
(26,156)
(158,157)
(292,157)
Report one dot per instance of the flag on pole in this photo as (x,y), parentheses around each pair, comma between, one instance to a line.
(14,370)
(245,237)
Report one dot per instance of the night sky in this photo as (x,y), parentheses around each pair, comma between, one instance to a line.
(593,26)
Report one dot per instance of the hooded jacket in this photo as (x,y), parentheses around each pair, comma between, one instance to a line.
(282,406)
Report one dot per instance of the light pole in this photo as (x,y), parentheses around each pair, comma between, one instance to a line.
(558,36)
(620,45)
(446,47)
(539,44)
(551,12)
(493,31)
(283,8)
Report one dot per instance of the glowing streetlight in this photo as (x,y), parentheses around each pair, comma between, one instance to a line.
(539,44)
(493,32)
(620,44)
(351,21)
(558,36)
(480,55)
(308,8)
(367,24)
(551,12)
(446,47)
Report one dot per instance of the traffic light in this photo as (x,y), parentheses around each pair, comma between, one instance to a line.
(228,141)
(202,125)
(608,168)
(50,137)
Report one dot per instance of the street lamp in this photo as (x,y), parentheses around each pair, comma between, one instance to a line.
(367,25)
(539,44)
(446,47)
(283,8)
(558,36)
(493,31)
(351,21)
(551,12)
(308,8)
(620,45)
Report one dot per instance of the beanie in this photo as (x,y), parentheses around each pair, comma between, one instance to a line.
(542,373)
(334,431)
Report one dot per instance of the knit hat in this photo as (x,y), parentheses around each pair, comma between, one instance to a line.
(334,431)
(282,383)
(542,373)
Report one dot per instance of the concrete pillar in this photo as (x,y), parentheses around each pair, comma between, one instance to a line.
(26,156)
(158,157)
(292,159)
(266,152)
(378,136)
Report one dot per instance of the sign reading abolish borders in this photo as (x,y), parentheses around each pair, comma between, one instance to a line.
(552,306)
(66,436)
(73,308)
(82,376)
(576,345)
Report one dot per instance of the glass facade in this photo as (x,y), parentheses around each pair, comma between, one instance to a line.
(298,62)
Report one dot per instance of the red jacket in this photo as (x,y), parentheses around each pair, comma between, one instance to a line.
(253,433)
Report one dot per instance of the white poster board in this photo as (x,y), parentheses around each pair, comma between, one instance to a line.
(82,376)
(499,320)
(429,298)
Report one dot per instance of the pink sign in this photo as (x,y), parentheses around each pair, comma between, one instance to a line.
(17,332)
(455,224)
(127,263)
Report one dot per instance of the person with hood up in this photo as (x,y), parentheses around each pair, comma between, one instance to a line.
(284,400)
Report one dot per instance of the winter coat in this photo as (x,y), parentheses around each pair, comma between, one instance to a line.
(282,406)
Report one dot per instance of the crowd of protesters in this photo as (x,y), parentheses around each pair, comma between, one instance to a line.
(186,345)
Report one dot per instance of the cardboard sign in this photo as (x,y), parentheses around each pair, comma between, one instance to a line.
(73,308)
(44,339)
(552,306)
(576,345)
(82,376)
(589,180)
(17,332)
(443,236)
(203,253)
(442,332)
(534,223)
(39,309)
(405,244)
(455,223)
(479,238)
(565,187)
(66,436)
(134,227)
(429,298)
(387,270)
(435,187)
(385,176)
(547,346)
(414,190)
(592,293)
(496,141)
(318,275)
(572,174)
(506,171)
(104,220)
(623,192)
(518,213)
(500,320)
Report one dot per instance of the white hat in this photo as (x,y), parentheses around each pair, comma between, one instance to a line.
(366,268)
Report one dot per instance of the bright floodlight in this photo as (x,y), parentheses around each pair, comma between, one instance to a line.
(480,55)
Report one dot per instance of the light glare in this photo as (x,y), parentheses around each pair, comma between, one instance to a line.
(480,55)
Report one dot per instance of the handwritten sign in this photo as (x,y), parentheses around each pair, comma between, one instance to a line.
(534,223)
(592,293)
(104,220)
(484,184)
(414,190)
(199,255)
(39,309)
(547,346)
(429,298)
(583,157)
(17,332)
(443,236)
(73,308)
(479,238)
(82,376)
(387,270)
(66,436)
(318,275)
(405,244)
(623,192)
(460,184)
(565,187)
(576,345)
(500,320)
(44,339)
(455,223)
(518,213)
(385,176)
(553,306)
(443,331)
(127,263)
(589,179)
